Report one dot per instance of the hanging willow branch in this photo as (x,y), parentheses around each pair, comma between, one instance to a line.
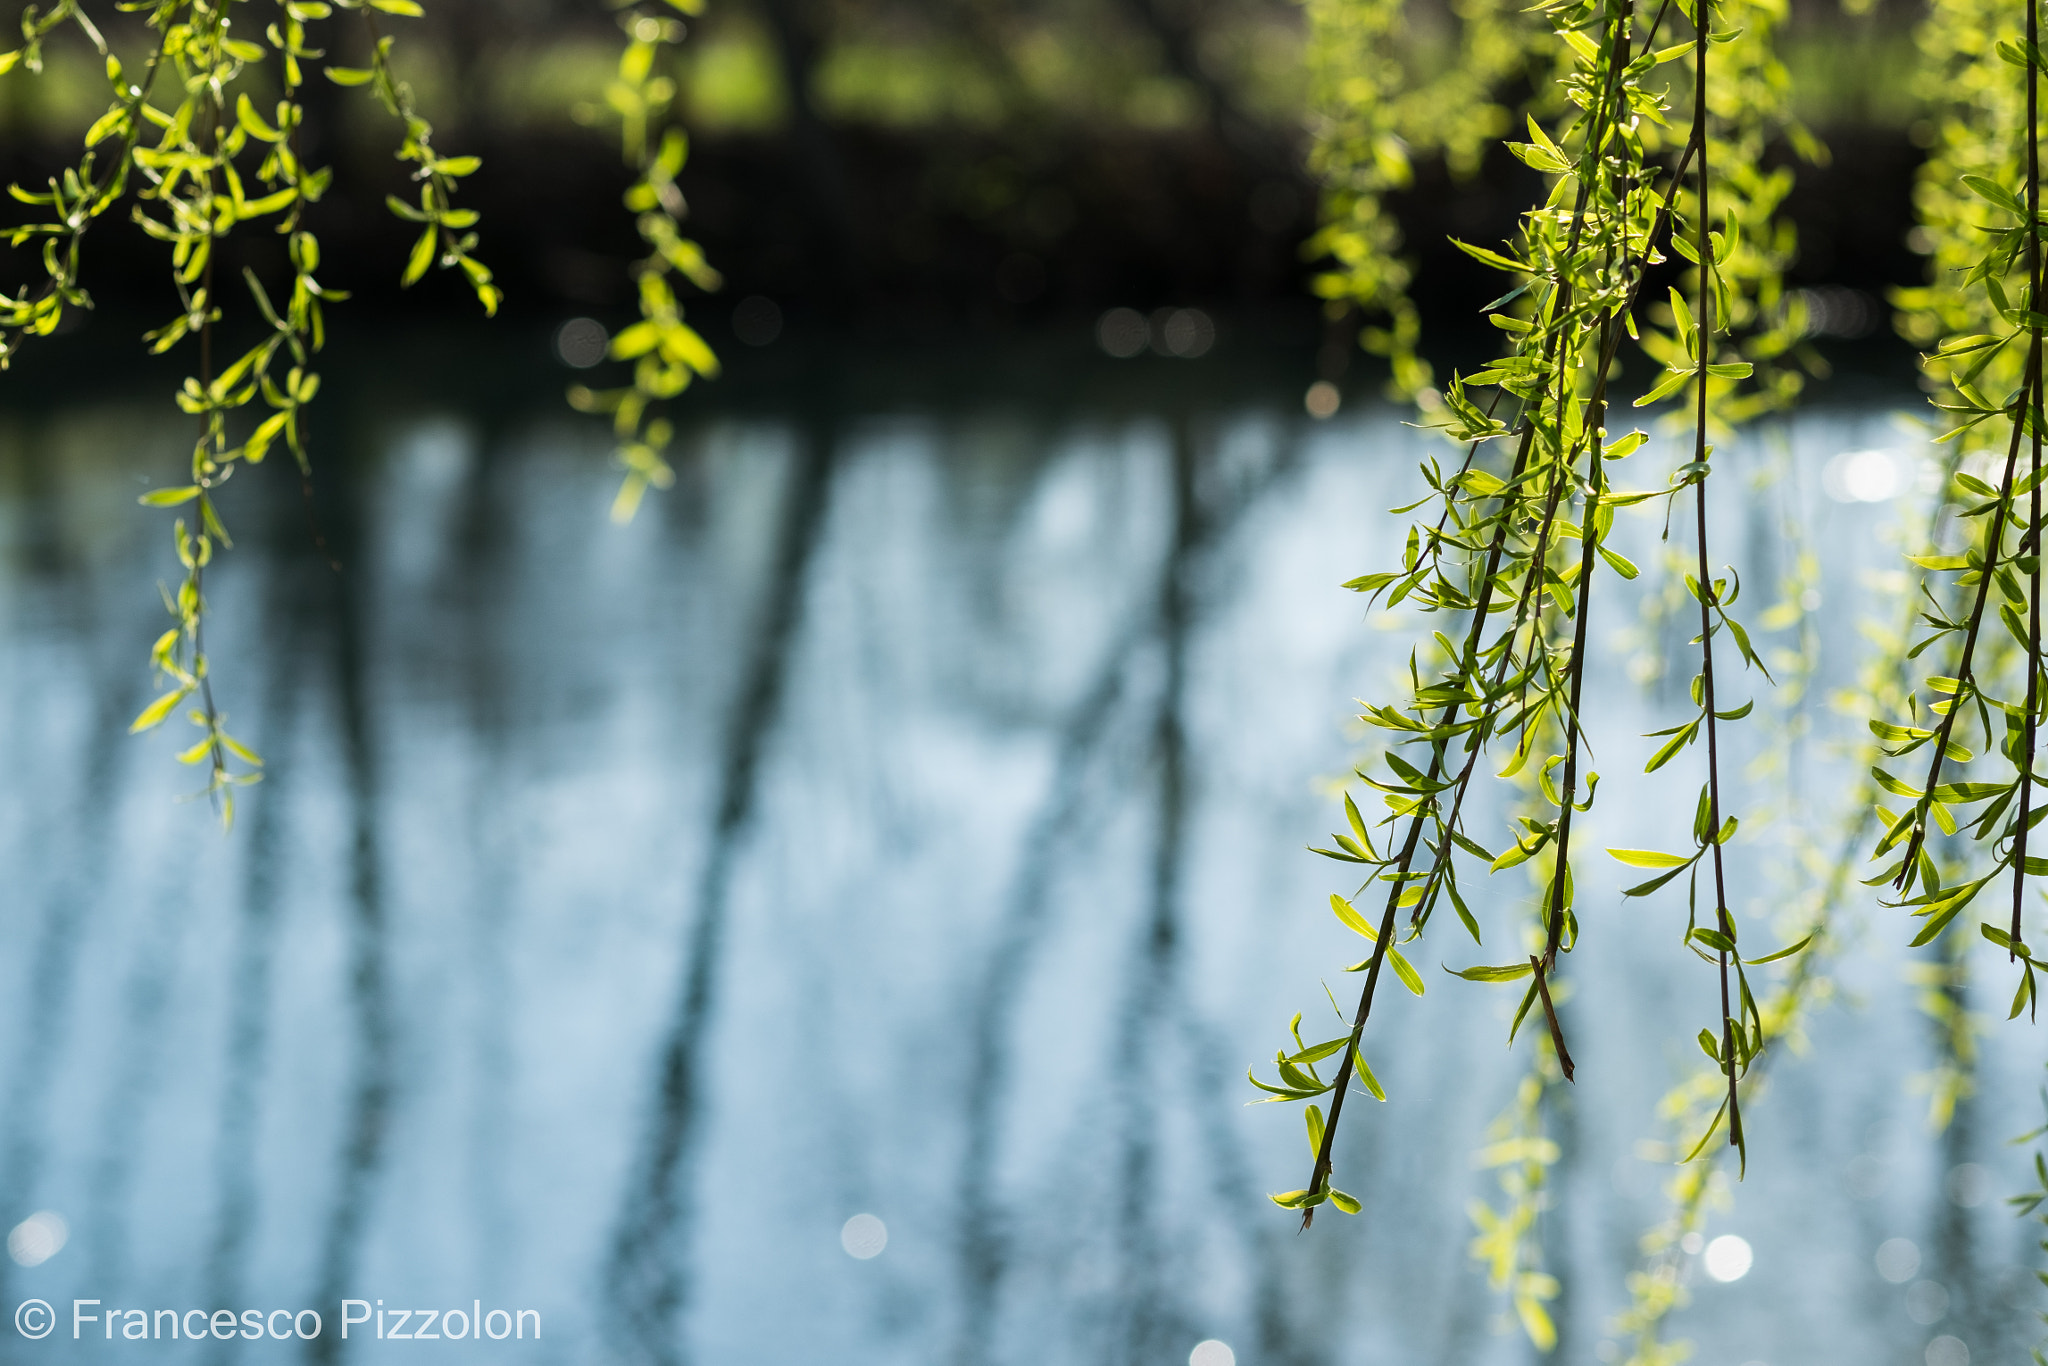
(666,352)
(1739,1038)
(1499,543)
(184,132)
(1482,509)
(2031,547)
(1984,228)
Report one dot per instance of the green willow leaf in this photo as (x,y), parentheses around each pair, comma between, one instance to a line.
(1366,1077)
(1410,978)
(1507,973)
(1353,921)
(1786,952)
(1650,858)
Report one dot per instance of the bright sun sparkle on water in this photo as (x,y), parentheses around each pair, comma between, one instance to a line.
(1865,476)
(1728,1258)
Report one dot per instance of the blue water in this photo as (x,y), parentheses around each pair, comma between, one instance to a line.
(905,816)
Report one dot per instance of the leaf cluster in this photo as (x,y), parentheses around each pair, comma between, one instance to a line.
(667,353)
(196,149)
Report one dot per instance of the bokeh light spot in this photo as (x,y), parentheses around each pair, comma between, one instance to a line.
(1865,476)
(1948,1351)
(1184,332)
(864,1236)
(582,342)
(1897,1260)
(1728,1258)
(1122,332)
(38,1238)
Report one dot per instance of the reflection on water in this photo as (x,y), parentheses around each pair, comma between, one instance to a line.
(829,918)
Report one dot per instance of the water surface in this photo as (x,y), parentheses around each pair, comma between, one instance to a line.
(905,816)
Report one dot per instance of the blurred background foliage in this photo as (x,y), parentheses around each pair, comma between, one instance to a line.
(919,167)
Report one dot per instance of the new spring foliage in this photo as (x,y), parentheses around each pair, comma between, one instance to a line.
(666,352)
(201,137)
(1952,799)
(1510,541)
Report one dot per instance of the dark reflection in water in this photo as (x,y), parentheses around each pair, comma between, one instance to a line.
(983,1250)
(364,1130)
(649,1279)
(255,940)
(903,817)
(483,620)
(48,931)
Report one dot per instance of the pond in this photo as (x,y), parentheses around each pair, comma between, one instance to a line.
(829,919)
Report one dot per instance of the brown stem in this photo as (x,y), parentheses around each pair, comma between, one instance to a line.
(1561,306)
(1554,928)
(211,443)
(1532,577)
(1342,1086)
(1708,595)
(2028,398)
(1589,543)
(1610,343)
(1564,1057)
(313,527)
(2033,411)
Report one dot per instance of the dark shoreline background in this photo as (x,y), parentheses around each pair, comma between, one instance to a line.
(929,189)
